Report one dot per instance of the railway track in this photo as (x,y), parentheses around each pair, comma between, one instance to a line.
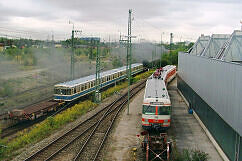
(85,141)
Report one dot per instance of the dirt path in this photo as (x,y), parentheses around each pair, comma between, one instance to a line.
(124,138)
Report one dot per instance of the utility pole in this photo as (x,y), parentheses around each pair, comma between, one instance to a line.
(98,79)
(152,61)
(155,55)
(109,44)
(171,40)
(72,49)
(129,56)
(52,37)
(160,49)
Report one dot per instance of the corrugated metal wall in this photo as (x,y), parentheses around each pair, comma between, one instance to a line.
(218,83)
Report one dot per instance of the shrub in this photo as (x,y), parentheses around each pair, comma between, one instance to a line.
(189,155)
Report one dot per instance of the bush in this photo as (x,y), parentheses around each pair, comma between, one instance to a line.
(189,155)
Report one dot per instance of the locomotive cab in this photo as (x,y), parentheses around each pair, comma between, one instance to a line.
(156,115)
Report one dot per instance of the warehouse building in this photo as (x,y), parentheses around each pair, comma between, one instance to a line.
(210,78)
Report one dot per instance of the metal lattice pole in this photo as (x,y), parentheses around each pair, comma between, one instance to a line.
(160,49)
(98,79)
(129,56)
(72,55)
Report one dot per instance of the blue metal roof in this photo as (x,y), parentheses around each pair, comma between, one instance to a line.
(75,82)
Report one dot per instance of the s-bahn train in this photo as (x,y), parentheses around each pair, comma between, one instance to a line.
(69,91)
(156,112)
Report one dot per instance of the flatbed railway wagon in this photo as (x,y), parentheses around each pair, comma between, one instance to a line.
(156,111)
(72,90)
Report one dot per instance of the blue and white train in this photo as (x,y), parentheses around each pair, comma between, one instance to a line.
(71,90)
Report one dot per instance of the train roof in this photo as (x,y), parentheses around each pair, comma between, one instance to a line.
(93,76)
(155,88)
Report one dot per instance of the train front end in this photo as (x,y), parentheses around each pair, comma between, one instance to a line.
(156,114)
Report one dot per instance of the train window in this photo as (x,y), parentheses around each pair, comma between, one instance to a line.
(82,87)
(57,91)
(149,110)
(164,110)
(86,86)
(93,83)
(68,92)
(63,91)
(75,90)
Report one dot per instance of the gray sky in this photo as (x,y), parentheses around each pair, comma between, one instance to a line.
(187,19)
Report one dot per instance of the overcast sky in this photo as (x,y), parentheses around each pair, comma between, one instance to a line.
(187,19)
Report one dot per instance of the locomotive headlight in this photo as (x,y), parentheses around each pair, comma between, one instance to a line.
(146,121)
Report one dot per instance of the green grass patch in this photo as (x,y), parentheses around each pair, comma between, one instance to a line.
(142,76)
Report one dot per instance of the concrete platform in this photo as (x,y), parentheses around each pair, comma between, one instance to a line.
(185,128)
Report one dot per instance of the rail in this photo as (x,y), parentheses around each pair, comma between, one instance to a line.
(85,132)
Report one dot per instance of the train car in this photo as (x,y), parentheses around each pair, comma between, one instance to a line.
(69,91)
(156,112)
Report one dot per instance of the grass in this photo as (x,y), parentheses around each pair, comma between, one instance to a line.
(51,124)
(142,76)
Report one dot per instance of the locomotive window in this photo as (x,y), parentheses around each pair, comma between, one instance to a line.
(149,110)
(164,110)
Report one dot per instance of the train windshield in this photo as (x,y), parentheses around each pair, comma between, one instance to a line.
(164,110)
(149,110)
